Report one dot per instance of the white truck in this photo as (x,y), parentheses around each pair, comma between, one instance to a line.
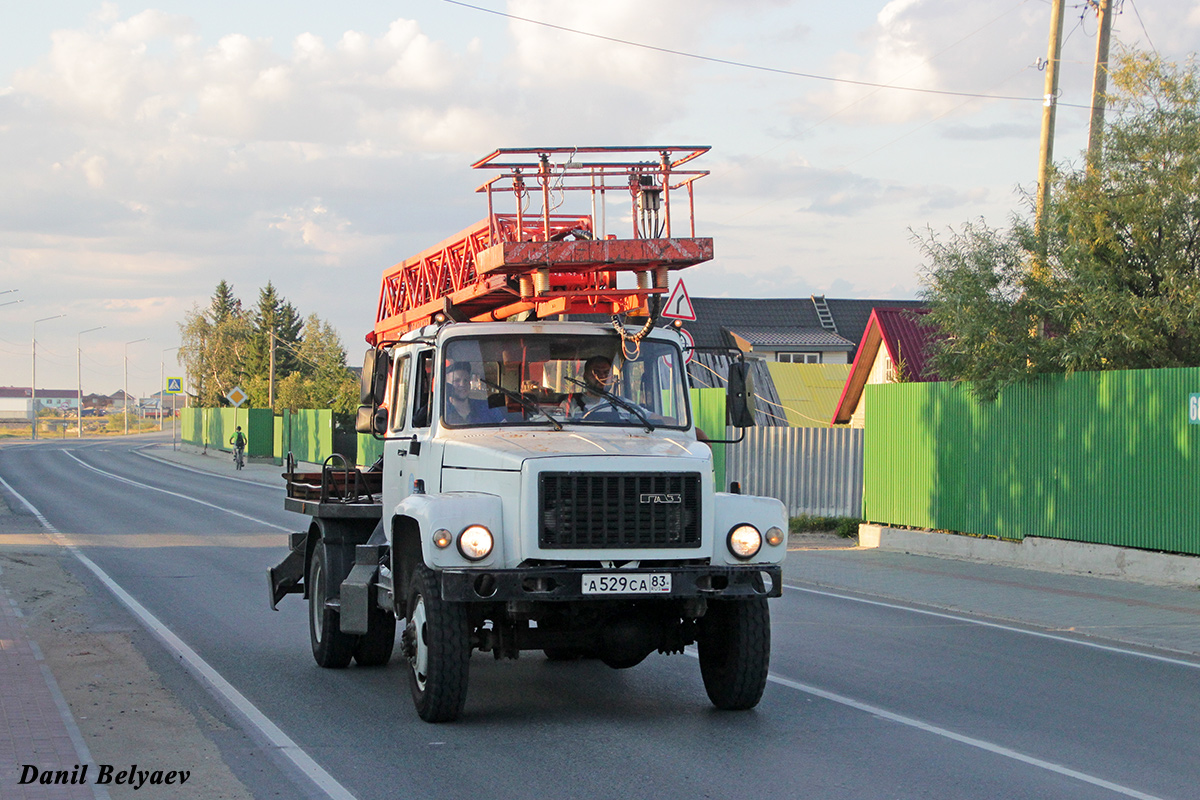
(542,486)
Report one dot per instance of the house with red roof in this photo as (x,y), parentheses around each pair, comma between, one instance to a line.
(894,348)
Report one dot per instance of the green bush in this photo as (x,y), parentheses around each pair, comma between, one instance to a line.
(846,527)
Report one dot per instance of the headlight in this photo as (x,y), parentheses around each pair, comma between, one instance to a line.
(744,541)
(774,536)
(475,542)
(442,538)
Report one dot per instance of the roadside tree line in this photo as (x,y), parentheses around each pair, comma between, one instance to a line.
(226,345)
(1113,282)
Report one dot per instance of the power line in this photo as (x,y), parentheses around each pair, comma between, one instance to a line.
(1137,14)
(742,64)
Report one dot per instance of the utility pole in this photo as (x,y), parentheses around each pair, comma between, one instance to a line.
(125,389)
(33,409)
(1046,158)
(1099,84)
(79,379)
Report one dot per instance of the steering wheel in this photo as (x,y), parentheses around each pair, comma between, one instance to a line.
(604,408)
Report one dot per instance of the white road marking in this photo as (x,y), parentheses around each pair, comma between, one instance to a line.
(967,740)
(999,626)
(174,494)
(971,741)
(277,738)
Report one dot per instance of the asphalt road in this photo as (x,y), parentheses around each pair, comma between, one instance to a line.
(867,699)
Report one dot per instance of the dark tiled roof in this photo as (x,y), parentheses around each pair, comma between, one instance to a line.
(734,313)
(797,337)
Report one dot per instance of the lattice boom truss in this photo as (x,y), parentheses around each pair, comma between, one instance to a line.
(542,265)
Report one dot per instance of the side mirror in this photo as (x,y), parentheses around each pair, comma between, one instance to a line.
(373,384)
(364,420)
(739,396)
(371,420)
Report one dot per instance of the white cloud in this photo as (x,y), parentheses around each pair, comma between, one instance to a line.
(940,45)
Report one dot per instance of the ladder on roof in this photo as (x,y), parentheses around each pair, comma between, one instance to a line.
(823,313)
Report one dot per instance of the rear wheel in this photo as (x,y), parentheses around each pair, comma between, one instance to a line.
(331,648)
(734,642)
(437,643)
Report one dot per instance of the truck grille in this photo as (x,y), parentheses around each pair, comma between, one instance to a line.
(592,510)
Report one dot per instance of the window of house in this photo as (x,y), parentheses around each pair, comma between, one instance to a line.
(799,358)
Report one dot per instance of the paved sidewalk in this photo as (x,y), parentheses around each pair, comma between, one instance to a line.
(221,463)
(1159,617)
(36,726)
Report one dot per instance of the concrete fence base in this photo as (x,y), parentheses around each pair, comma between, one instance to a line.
(1051,555)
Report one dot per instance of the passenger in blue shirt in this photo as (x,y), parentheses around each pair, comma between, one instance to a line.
(461,408)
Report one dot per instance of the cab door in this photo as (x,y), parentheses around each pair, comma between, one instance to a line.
(418,466)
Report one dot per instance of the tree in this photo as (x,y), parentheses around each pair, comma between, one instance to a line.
(323,381)
(1119,287)
(224,346)
(224,305)
(215,344)
(272,315)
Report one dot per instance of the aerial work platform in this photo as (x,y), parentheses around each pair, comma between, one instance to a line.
(537,265)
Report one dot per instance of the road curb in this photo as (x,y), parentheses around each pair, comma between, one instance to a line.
(1047,555)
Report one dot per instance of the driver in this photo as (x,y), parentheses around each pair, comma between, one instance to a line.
(598,378)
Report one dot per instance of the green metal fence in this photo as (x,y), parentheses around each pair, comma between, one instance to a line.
(214,427)
(308,434)
(1107,458)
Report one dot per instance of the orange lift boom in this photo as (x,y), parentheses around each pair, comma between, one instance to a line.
(544,264)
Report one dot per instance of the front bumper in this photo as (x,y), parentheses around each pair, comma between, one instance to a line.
(560,584)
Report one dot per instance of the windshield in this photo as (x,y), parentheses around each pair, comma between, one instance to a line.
(540,379)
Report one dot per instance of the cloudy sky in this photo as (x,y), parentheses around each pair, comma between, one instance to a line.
(151,149)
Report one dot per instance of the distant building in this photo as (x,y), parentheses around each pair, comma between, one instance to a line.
(16,402)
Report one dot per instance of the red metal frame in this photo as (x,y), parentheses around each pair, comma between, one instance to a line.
(547,264)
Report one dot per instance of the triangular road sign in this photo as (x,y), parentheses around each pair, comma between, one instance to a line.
(679,306)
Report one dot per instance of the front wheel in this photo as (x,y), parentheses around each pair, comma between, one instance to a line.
(331,648)
(734,642)
(437,643)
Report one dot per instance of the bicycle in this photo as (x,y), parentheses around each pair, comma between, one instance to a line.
(239,459)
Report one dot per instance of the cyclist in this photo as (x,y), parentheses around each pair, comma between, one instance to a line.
(238,440)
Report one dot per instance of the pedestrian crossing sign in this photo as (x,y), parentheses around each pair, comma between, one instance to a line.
(174,386)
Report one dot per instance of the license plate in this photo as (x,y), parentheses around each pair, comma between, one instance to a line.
(637,583)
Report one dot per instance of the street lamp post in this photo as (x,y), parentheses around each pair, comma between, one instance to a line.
(33,381)
(125,400)
(79,379)
(162,387)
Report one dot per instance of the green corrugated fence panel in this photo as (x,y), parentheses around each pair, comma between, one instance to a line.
(191,426)
(369,449)
(312,434)
(277,450)
(214,427)
(1108,458)
(708,408)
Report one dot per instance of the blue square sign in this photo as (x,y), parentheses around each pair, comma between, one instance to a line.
(1194,409)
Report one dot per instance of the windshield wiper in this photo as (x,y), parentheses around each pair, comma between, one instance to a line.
(619,401)
(528,404)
